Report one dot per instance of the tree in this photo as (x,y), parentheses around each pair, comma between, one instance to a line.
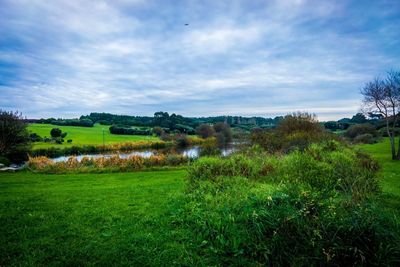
(359,118)
(158,131)
(299,122)
(382,96)
(55,132)
(14,136)
(223,133)
(204,130)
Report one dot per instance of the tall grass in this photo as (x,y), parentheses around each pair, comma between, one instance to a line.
(103,164)
(313,207)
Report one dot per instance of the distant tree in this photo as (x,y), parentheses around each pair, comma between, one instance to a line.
(223,133)
(14,136)
(382,96)
(359,118)
(158,131)
(55,132)
(205,131)
(361,129)
(299,122)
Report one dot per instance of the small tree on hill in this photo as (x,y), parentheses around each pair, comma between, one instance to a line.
(382,96)
(55,132)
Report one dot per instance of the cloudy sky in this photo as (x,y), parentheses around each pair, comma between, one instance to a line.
(65,58)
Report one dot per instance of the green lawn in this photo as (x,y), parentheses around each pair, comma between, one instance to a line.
(390,172)
(89,219)
(84,135)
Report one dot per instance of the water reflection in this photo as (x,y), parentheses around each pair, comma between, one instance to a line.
(190,152)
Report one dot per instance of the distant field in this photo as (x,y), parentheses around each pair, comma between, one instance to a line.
(84,135)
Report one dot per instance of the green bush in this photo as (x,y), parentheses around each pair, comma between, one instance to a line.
(361,129)
(55,132)
(236,222)
(326,166)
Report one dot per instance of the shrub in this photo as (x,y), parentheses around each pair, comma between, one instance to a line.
(223,133)
(116,129)
(181,140)
(55,132)
(205,131)
(69,141)
(158,131)
(325,167)
(235,222)
(34,137)
(364,139)
(359,129)
(299,122)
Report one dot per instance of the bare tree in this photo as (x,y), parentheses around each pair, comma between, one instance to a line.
(382,96)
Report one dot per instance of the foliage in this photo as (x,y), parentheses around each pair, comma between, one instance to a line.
(158,131)
(205,131)
(14,136)
(320,211)
(240,223)
(223,133)
(116,129)
(326,166)
(55,132)
(68,122)
(101,164)
(358,129)
(296,131)
(364,139)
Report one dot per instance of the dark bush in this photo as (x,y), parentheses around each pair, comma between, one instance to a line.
(55,132)
(181,140)
(158,131)
(364,139)
(73,122)
(205,131)
(115,129)
(34,137)
(359,129)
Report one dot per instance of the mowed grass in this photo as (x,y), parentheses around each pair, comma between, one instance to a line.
(84,135)
(89,219)
(390,172)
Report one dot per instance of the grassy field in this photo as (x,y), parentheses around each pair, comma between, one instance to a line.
(84,135)
(88,219)
(390,172)
(113,218)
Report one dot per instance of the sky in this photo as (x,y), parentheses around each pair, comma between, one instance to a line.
(68,58)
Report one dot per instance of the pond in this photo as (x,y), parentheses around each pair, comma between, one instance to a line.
(190,152)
